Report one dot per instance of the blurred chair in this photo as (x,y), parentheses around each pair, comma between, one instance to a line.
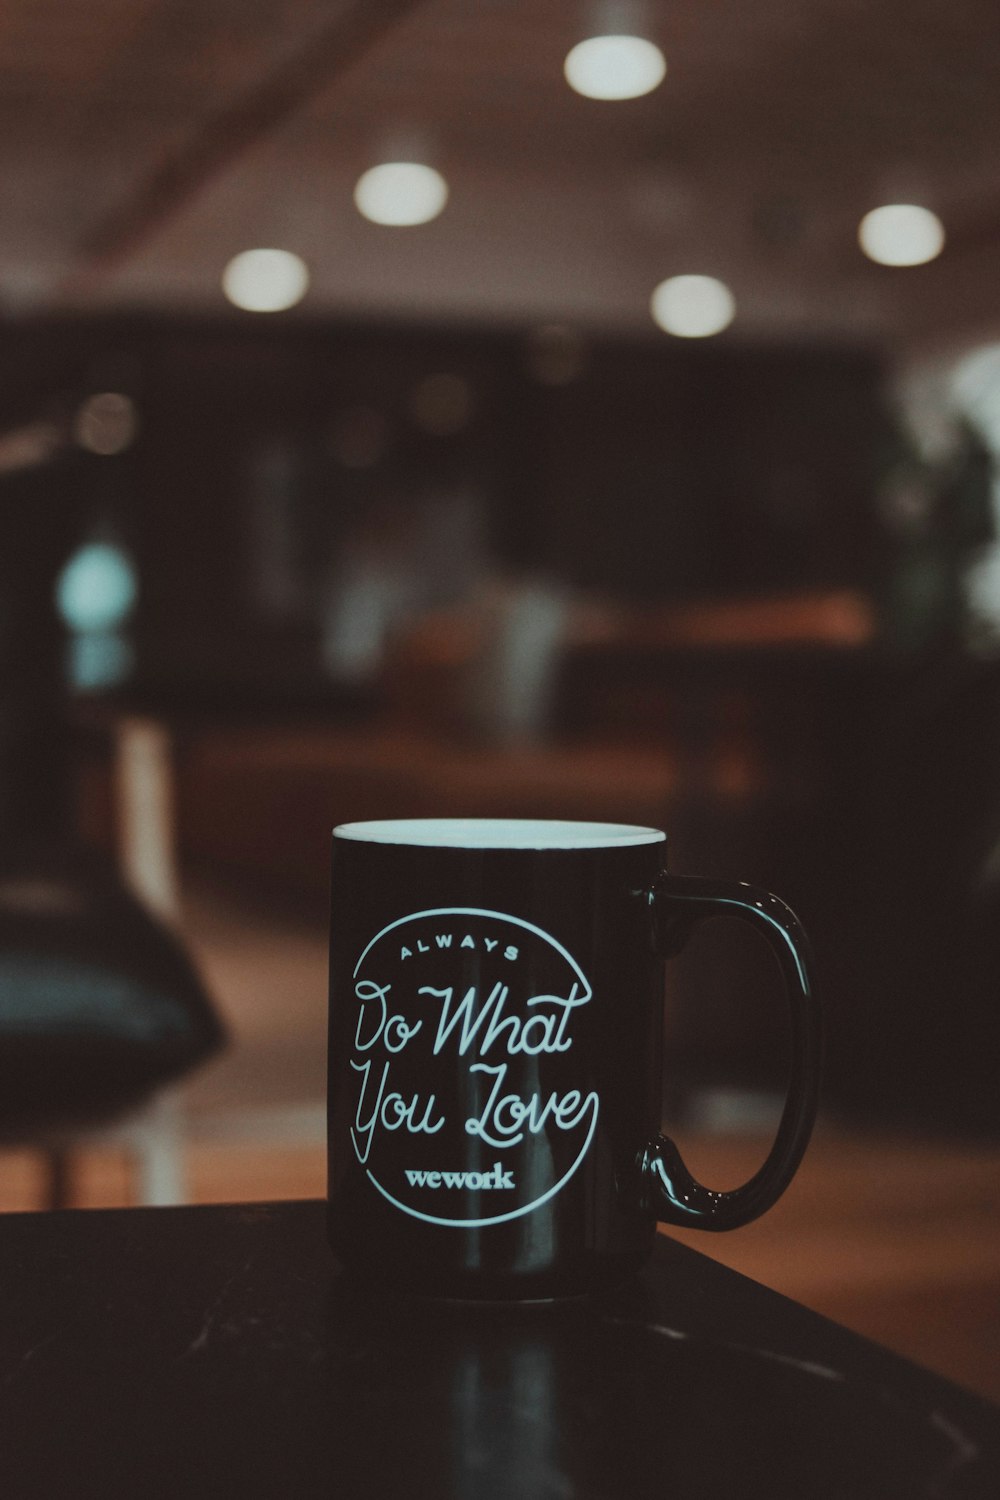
(100,1006)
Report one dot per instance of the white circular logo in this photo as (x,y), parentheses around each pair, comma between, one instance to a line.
(469,1110)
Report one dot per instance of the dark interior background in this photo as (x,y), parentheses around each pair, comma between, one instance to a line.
(747,558)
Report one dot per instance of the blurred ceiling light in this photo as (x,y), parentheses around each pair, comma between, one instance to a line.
(400,192)
(614,67)
(901,234)
(265,280)
(692,307)
(106,423)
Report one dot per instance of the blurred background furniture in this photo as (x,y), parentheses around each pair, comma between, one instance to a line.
(101,1009)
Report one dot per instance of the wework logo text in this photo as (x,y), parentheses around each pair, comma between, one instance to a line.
(496,1178)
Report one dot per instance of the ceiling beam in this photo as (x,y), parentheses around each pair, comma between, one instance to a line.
(227,135)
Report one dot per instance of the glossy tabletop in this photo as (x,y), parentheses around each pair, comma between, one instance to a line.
(219,1351)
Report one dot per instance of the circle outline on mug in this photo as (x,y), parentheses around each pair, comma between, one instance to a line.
(551,1192)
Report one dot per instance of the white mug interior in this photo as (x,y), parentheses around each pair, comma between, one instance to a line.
(499,833)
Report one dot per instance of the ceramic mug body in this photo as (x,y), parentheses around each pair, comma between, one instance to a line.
(495,1067)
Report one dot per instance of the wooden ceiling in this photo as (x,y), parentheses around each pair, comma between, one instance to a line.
(143,142)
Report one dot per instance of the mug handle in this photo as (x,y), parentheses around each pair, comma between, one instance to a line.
(679,903)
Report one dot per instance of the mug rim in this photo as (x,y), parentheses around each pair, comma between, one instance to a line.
(498,833)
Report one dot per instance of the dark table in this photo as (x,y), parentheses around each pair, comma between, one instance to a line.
(220,1352)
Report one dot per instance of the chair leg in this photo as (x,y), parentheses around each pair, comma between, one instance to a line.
(155,1143)
(58,1178)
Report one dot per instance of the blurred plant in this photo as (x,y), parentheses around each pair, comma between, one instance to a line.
(935,502)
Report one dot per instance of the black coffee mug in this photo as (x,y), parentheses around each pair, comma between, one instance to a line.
(496,997)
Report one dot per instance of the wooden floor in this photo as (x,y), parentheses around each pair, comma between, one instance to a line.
(895,1237)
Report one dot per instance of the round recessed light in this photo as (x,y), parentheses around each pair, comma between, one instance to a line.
(400,193)
(692,307)
(614,67)
(901,234)
(106,423)
(265,280)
